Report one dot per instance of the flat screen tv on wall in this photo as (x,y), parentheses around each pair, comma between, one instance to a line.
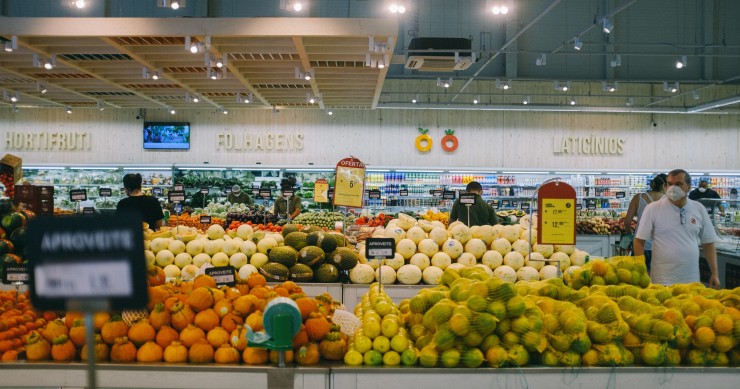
(167,135)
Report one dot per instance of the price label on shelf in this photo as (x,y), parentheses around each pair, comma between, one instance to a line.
(176,196)
(266,194)
(504,203)
(494,204)
(16,273)
(349,186)
(579,207)
(380,248)
(287,193)
(204,190)
(223,275)
(514,203)
(437,193)
(88,211)
(374,194)
(448,195)
(524,206)
(403,193)
(205,219)
(178,187)
(321,191)
(157,191)
(467,198)
(330,193)
(621,195)
(105,192)
(255,192)
(78,194)
(591,204)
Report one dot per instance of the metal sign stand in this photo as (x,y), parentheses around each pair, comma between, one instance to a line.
(89,307)
(531,221)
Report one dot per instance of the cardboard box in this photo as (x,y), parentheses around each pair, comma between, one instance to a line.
(12,164)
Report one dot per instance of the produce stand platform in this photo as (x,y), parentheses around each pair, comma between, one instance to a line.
(169,376)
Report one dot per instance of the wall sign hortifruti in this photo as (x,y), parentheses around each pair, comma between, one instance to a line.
(423,141)
(449,141)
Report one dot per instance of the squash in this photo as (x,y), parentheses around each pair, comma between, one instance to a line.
(255,279)
(155,276)
(190,335)
(245,304)
(239,338)
(201,299)
(254,320)
(63,349)
(77,333)
(207,319)
(55,328)
(159,317)
(217,337)
(99,319)
(317,326)
(37,347)
(123,350)
(275,357)
(255,356)
(149,352)
(231,321)
(166,335)
(175,353)
(182,315)
(115,328)
(201,352)
(141,332)
(300,338)
(69,319)
(157,294)
(223,308)
(230,293)
(306,306)
(226,354)
(333,347)
(102,350)
(308,354)
(204,280)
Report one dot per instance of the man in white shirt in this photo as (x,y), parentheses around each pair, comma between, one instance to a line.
(677,226)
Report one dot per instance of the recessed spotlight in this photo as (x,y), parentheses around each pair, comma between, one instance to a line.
(682,62)
(577,44)
(225,111)
(80,4)
(196,99)
(573,101)
(311,100)
(13,99)
(307,77)
(476,99)
(48,65)
(526,100)
(155,76)
(175,4)
(329,112)
(194,48)
(172,111)
(297,6)
(219,63)
(68,110)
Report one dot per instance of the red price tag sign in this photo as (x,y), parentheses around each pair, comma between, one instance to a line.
(556,222)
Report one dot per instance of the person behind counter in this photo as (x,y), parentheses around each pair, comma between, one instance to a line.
(481,213)
(704,192)
(637,206)
(147,207)
(238,197)
(285,206)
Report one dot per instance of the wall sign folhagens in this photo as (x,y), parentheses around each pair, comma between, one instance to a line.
(449,141)
(423,141)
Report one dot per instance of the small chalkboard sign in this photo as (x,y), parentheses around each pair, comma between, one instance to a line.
(88,211)
(330,193)
(524,206)
(621,195)
(205,219)
(157,191)
(78,194)
(437,193)
(591,204)
(448,195)
(266,194)
(374,194)
(380,248)
(16,273)
(178,187)
(403,192)
(514,203)
(176,196)
(288,192)
(105,192)
(204,190)
(223,275)
(468,199)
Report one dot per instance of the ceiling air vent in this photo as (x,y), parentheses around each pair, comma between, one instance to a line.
(440,54)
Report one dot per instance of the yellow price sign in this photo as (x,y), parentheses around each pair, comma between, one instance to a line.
(321,191)
(349,186)
(558,218)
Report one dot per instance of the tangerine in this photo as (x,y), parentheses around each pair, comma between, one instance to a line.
(704,337)
(723,324)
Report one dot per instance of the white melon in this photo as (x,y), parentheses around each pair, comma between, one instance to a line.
(195,247)
(416,234)
(362,274)
(150,258)
(409,275)
(405,221)
(230,247)
(159,244)
(220,259)
(529,236)
(201,259)
(397,233)
(215,231)
(211,247)
(535,260)
(559,259)
(548,272)
(438,235)
(579,257)
(545,249)
(278,238)
(425,225)
(505,273)
(176,246)
(183,259)
(420,260)
(485,233)
(248,248)
(477,247)
(258,260)
(171,271)
(526,273)
(385,275)
(521,247)
(244,231)
(514,260)
(509,233)
(397,261)
(453,248)
(502,245)
(188,272)
(406,247)
(455,224)
(461,233)
(266,244)
(164,258)
(441,260)
(438,224)
(485,268)
(237,260)
(467,259)
(565,248)
(492,259)
(428,247)
(246,270)
(432,275)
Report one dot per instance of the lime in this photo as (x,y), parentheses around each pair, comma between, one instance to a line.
(399,343)
(373,358)
(363,344)
(381,344)
(391,358)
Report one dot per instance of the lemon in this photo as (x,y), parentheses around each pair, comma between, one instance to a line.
(381,344)
(353,358)
(391,358)
(363,344)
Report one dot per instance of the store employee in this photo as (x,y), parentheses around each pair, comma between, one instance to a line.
(238,197)
(287,207)
(481,212)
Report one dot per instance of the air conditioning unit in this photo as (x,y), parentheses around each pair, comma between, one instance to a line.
(456,54)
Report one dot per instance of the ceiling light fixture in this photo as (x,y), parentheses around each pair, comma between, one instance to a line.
(630,101)
(224,111)
(68,110)
(80,4)
(172,111)
(616,61)
(100,105)
(607,26)
(505,85)
(291,5)
(476,99)
(682,62)
(15,97)
(48,65)
(174,4)
(672,88)
(562,87)
(396,8)
(577,44)
(308,75)
(41,88)
(219,62)
(444,84)
(11,45)
(541,60)
(695,95)
(526,100)
(329,112)
(415,99)
(497,7)
(606,87)
(155,75)
(573,101)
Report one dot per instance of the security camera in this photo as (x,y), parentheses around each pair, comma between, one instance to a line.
(138,117)
(654,124)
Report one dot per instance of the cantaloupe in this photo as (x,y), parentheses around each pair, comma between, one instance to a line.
(182,260)
(416,234)
(237,260)
(420,260)
(266,244)
(467,259)
(215,231)
(461,233)
(505,273)
(194,247)
(477,247)
(431,275)
(159,244)
(397,261)
(248,248)
(244,231)
(535,260)
(201,259)
(211,247)
(520,246)
(406,247)
(409,275)
(514,260)
(526,273)
(485,233)
(397,233)
(188,272)
(362,274)
(559,259)
(492,259)
(176,246)
(171,271)
(385,275)
(502,245)
(428,247)
(579,257)
(164,258)
(545,249)
(438,235)
(441,260)
(150,258)
(509,233)
(548,271)
(566,248)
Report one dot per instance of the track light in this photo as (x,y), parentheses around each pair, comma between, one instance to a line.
(573,101)
(682,62)
(48,65)
(541,60)
(100,105)
(607,26)
(311,99)
(397,8)
(445,83)
(476,99)
(155,75)
(497,7)
(505,85)
(224,111)
(562,87)
(11,45)
(577,44)
(68,110)
(308,75)
(219,63)
(41,88)
(172,111)
(14,98)
(80,4)
(329,112)
(216,74)
(526,100)
(174,4)
(616,61)
(606,87)
(196,99)
(672,88)
(695,95)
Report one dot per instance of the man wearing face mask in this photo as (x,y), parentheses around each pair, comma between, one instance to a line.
(703,192)
(677,226)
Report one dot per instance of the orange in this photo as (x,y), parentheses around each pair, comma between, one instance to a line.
(723,324)
(704,337)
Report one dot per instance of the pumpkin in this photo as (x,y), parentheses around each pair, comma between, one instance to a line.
(292,287)
(239,338)
(166,335)
(63,349)
(275,356)
(231,321)
(157,294)
(255,279)
(115,328)
(141,332)
(37,347)
(317,326)
(175,353)
(217,336)
(77,333)
(155,276)
(69,319)
(201,299)
(255,321)
(99,319)
(207,319)
(191,334)
(149,352)
(300,338)
(230,293)
(223,307)
(102,350)
(12,355)
(308,354)
(333,347)
(306,306)
(245,305)
(218,294)
(182,316)
(53,329)
(242,287)
(123,350)
(204,280)
(255,356)
(226,354)
(201,352)
(170,302)
(159,317)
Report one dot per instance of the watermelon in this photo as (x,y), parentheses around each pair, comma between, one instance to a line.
(10,258)
(6,247)
(6,206)
(12,221)
(301,273)
(18,238)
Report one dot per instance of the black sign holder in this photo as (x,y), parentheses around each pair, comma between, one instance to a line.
(467,199)
(380,249)
(16,275)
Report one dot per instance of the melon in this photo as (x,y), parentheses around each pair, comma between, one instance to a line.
(565,248)
(248,248)
(457,267)
(284,255)
(477,247)
(529,235)
(562,259)
(406,247)
(150,258)
(171,271)
(441,260)
(159,244)
(527,273)
(492,259)
(461,233)
(194,247)
(385,275)
(548,272)
(438,235)
(258,260)
(323,240)
(237,260)
(311,256)
(505,273)
(502,245)
(520,246)
(454,224)
(453,248)
(296,240)
(420,260)
(188,272)
(514,260)
(326,273)
(397,261)
(416,234)
(485,268)
(215,231)
(509,233)
(230,247)
(220,259)
(374,263)
(425,225)
(428,247)
(182,260)
(301,273)
(246,270)
(431,275)
(405,221)
(278,238)
(211,247)
(201,259)
(176,247)
(535,260)
(362,274)
(397,233)
(244,231)
(345,258)
(545,249)
(578,257)
(275,272)
(409,275)
(164,258)
(485,233)
(266,244)
(467,259)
